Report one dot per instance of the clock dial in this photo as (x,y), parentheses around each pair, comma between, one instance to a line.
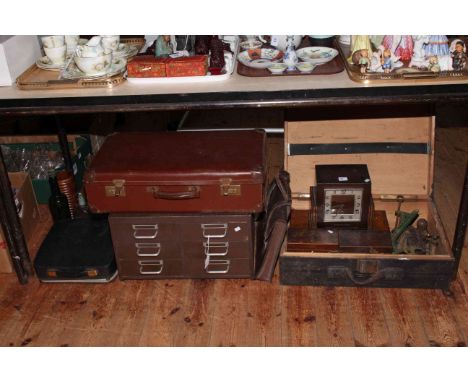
(343,204)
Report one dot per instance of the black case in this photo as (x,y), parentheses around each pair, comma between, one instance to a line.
(77,250)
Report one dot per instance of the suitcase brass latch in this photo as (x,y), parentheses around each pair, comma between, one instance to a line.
(117,189)
(228,189)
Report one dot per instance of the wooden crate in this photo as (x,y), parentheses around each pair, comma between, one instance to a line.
(399,153)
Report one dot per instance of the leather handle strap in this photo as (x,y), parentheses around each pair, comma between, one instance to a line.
(193,192)
(374,277)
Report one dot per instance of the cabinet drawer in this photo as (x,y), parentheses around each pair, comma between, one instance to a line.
(147,249)
(220,268)
(150,268)
(143,228)
(218,228)
(219,249)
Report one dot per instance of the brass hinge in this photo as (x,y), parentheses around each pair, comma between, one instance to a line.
(117,189)
(228,189)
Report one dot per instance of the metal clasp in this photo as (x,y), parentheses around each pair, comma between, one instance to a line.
(117,189)
(228,189)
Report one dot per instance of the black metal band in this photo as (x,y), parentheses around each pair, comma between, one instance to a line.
(358,148)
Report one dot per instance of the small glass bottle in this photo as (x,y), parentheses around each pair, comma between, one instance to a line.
(58,202)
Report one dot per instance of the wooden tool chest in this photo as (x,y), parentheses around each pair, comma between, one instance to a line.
(399,153)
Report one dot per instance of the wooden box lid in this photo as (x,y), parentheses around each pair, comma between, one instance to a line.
(399,153)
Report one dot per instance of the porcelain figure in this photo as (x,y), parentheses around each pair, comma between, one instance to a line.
(387,64)
(290,56)
(359,42)
(459,58)
(400,45)
(433,65)
(437,46)
(418,59)
(163,46)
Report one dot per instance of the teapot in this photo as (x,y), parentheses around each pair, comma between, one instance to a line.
(280,41)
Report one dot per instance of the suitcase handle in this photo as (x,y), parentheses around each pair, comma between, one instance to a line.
(193,192)
(148,263)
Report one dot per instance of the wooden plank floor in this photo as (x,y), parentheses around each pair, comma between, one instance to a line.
(245,312)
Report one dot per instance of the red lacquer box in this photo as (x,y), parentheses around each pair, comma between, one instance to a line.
(187,66)
(147,66)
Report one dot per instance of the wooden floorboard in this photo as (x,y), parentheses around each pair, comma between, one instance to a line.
(246,312)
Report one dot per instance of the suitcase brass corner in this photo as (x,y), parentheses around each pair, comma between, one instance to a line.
(117,189)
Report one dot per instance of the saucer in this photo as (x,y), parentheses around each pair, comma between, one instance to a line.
(259,58)
(46,64)
(125,51)
(317,55)
(72,72)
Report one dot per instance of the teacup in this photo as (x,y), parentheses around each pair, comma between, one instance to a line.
(53,41)
(56,55)
(95,66)
(92,48)
(71,41)
(110,41)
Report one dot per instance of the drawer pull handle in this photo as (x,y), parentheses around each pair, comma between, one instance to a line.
(193,192)
(213,230)
(216,249)
(217,266)
(158,265)
(141,247)
(145,231)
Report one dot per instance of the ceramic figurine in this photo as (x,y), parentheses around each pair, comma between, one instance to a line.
(364,61)
(418,59)
(359,42)
(400,45)
(433,65)
(437,46)
(387,63)
(459,56)
(376,64)
(290,56)
(163,46)
(376,40)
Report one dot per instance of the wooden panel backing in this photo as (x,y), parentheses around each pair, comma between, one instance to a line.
(391,173)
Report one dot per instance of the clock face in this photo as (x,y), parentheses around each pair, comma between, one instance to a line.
(343,205)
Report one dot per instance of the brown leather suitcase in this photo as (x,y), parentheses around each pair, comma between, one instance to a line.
(216,171)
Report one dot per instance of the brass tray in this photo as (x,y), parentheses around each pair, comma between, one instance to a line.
(400,74)
(35,78)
